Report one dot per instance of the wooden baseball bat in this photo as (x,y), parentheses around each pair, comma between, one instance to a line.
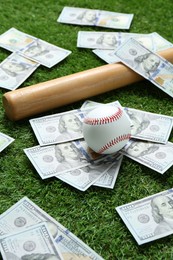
(41,97)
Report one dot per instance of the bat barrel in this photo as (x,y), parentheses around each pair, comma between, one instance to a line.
(28,101)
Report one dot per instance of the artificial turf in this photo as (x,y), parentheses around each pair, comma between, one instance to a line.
(90,215)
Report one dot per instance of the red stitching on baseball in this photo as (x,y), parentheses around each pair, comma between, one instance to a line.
(104,120)
(114,141)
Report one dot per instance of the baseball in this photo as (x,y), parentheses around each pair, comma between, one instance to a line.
(106,129)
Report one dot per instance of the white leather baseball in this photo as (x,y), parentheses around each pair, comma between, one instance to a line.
(106,129)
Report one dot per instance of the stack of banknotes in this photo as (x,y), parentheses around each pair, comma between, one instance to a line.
(63,153)
(28,232)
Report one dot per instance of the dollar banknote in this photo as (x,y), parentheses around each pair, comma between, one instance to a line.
(93,17)
(160,43)
(150,218)
(14,70)
(14,40)
(110,40)
(84,177)
(52,160)
(35,242)
(33,48)
(148,64)
(44,53)
(58,128)
(153,155)
(91,104)
(107,55)
(5,140)
(108,179)
(99,40)
(150,126)
(25,214)
(88,105)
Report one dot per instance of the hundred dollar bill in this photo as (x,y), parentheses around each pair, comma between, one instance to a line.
(150,126)
(110,40)
(58,128)
(92,17)
(44,53)
(5,140)
(160,43)
(107,55)
(14,70)
(25,213)
(33,48)
(52,160)
(153,155)
(89,104)
(34,242)
(14,40)
(108,179)
(150,218)
(84,177)
(148,64)
(152,41)
(99,40)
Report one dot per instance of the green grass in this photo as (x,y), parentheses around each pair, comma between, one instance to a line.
(89,215)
